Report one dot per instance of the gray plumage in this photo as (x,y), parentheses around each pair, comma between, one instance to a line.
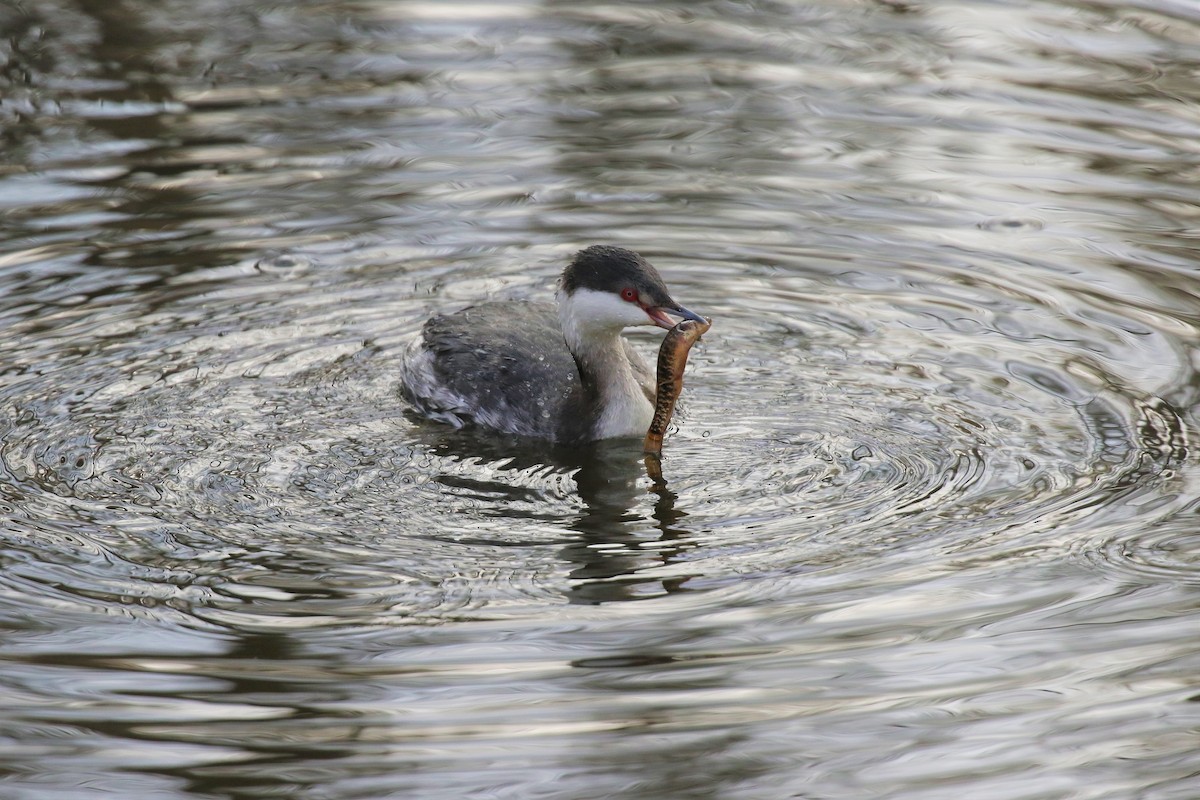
(510,366)
(510,363)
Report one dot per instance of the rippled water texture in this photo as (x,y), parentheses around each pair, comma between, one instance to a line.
(929,527)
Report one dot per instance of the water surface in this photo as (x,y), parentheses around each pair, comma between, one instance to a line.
(929,522)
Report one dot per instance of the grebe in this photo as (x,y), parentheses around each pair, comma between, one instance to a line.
(563,374)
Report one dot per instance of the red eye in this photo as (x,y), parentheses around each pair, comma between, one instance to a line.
(629,295)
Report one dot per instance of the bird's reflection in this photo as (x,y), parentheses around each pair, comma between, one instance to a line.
(615,544)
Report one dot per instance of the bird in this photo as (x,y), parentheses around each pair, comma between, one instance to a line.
(560,374)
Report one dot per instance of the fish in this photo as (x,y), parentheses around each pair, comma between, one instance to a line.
(672,358)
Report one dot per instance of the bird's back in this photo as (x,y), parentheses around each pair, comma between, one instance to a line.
(502,366)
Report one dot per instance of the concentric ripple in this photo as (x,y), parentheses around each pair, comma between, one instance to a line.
(220,474)
(216,465)
(886,420)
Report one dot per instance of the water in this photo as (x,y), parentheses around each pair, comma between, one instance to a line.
(929,522)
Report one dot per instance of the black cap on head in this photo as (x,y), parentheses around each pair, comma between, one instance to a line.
(604,268)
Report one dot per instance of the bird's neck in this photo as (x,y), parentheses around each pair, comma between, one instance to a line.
(605,372)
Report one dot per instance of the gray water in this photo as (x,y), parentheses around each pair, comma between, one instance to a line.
(929,527)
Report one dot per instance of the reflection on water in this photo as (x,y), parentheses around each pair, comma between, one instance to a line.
(926,527)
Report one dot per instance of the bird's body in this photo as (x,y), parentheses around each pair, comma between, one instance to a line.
(506,367)
(562,374)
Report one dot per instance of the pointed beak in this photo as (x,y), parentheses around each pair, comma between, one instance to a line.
(659,315)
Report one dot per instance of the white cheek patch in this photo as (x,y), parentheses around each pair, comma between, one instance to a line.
(592,323)
(588,313)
